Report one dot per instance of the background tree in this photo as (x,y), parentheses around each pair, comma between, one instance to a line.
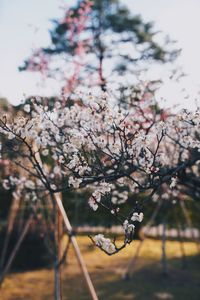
(104,42)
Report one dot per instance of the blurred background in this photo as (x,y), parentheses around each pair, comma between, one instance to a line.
(127,42)
(25,25)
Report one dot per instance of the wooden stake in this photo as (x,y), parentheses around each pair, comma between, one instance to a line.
(16,248)
(76,248)
(182,248)
(189,223)
(57,266)
(132,263)
(11,218)
(68,226)
(164,255)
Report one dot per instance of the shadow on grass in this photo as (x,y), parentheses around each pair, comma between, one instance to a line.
(147,283)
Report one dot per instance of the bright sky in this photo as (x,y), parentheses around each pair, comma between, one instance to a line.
(24,25)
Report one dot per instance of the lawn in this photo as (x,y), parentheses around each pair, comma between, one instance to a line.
(147,281)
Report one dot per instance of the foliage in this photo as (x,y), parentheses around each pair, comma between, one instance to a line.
(99,42)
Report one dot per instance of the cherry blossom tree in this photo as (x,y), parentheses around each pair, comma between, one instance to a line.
(93,145)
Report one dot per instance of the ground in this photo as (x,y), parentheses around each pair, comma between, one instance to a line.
(146,283)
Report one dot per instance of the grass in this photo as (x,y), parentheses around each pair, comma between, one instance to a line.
(147,281)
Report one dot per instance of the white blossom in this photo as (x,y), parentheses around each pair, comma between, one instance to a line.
(104,243)
(173,182)
(6,184)
(128,228)
(27,108)
(93,204)
(137,217)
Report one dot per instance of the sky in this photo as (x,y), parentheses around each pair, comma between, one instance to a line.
(24,26)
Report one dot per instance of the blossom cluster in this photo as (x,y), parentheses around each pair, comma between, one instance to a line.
(102,147)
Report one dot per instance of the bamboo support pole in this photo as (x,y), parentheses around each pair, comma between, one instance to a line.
(59,243)
(182,248)
(68,226)
(132,263)
(15,250)
(11,219)
(164,254)
(189,224)
(57,266)
(76,248)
